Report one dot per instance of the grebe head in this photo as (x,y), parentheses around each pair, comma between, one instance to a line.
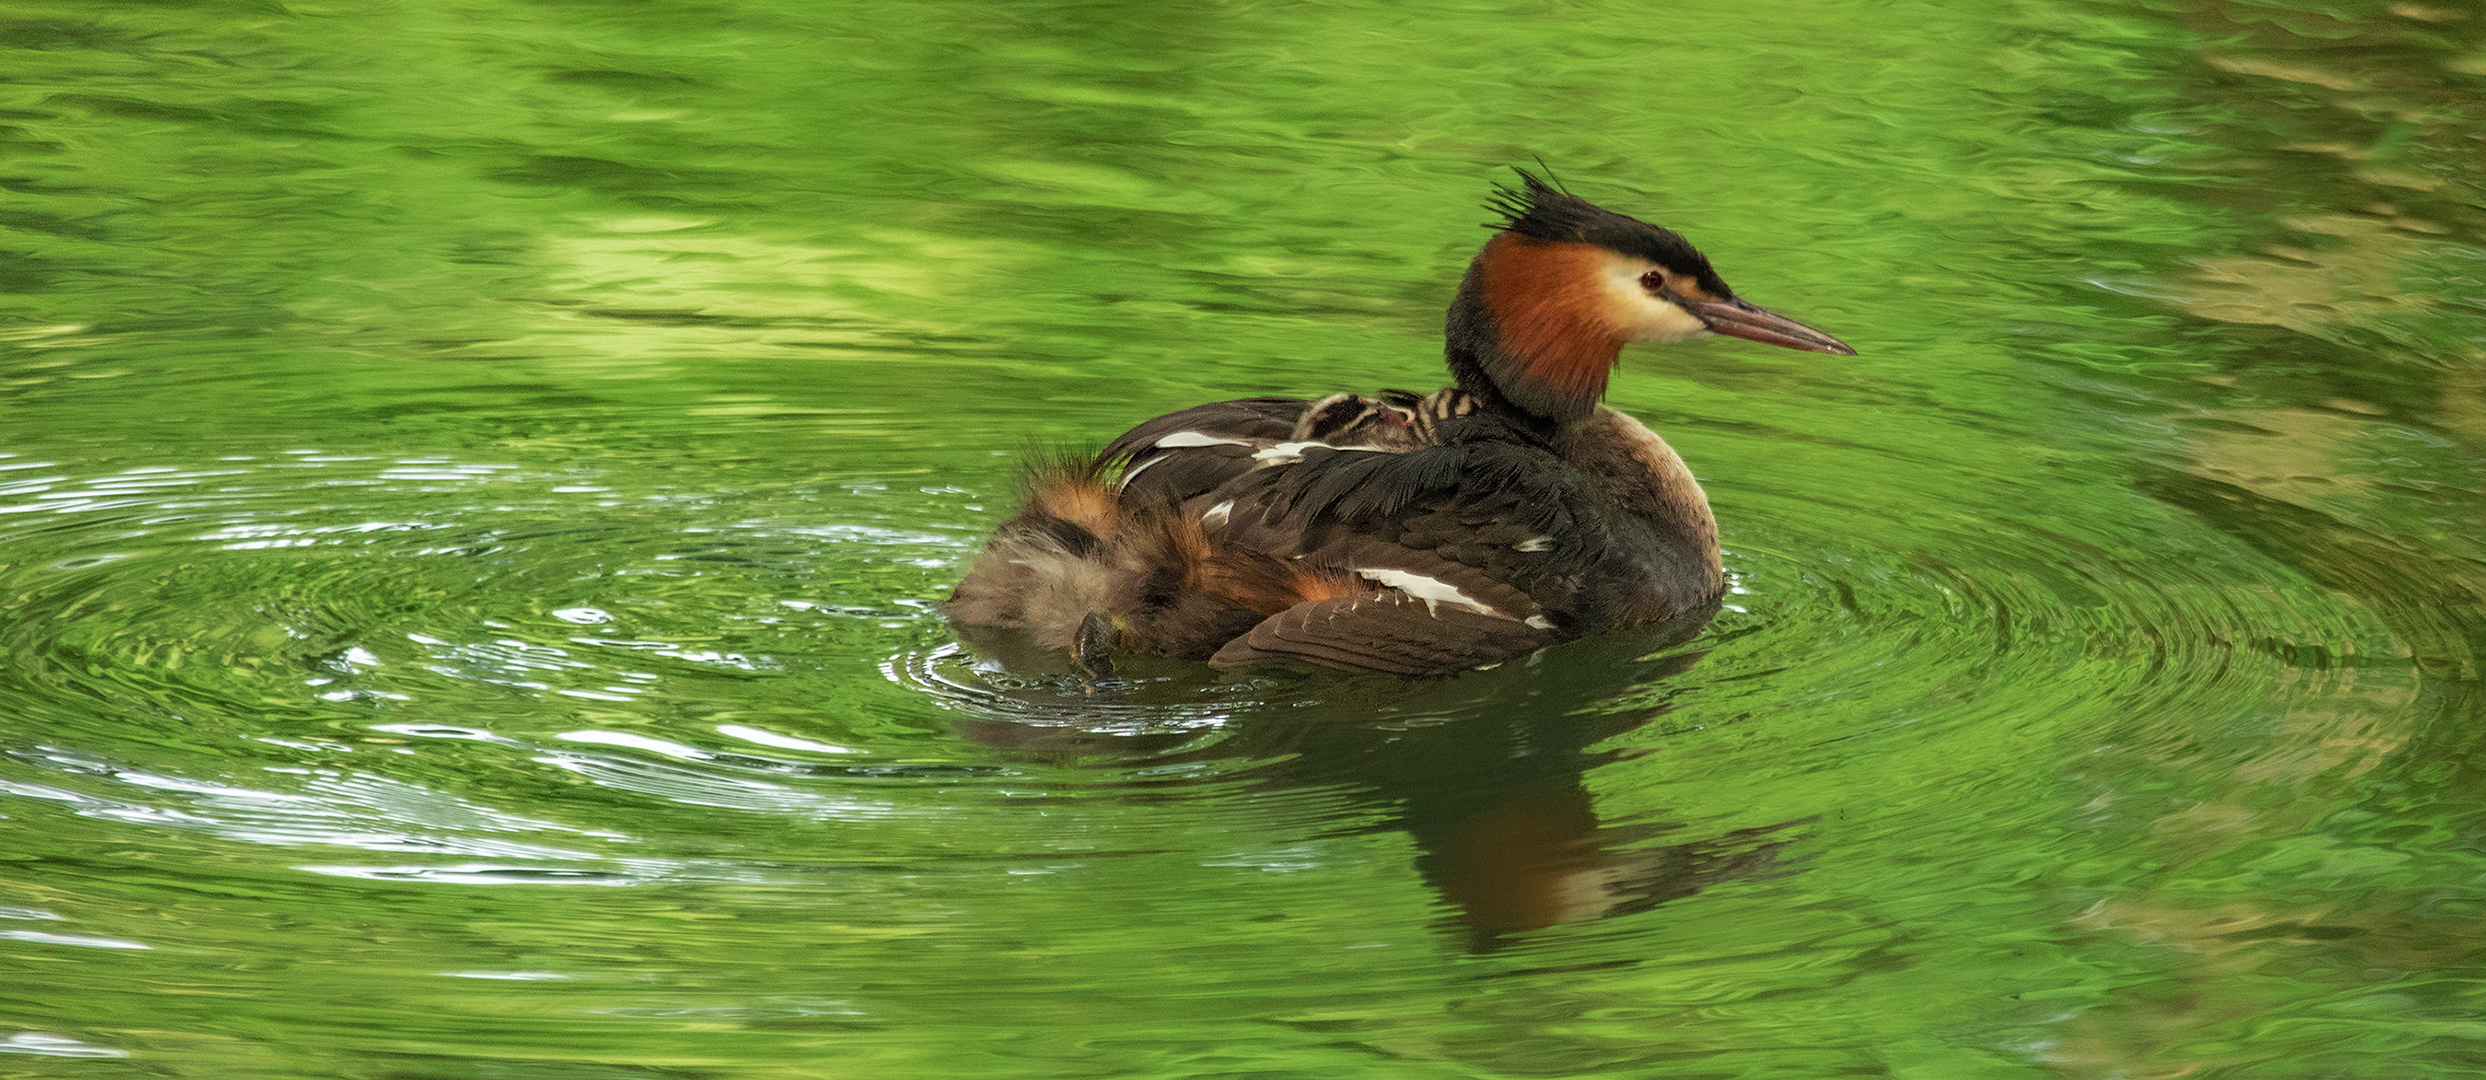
(1549,303)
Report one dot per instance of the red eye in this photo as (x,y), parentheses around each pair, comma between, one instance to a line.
(1653,281)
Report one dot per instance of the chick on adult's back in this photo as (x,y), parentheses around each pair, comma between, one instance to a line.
(1399,533)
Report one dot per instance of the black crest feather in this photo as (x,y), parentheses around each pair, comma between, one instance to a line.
(1541,210)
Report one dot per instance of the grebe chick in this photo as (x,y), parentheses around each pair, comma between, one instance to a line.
(1400,533)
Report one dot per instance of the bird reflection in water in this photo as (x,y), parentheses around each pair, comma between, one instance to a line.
(1487,772)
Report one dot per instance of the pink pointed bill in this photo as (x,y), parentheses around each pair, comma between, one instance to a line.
(1735,318)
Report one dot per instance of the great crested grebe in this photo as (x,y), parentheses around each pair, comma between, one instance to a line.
(1401,533)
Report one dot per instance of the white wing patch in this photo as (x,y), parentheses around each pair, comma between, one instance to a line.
(1183,440)
(1288,453)
(1216,516)
(1535,543)
(1433,591)
(1135,470)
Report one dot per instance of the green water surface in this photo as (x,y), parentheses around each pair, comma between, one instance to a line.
(477,479)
